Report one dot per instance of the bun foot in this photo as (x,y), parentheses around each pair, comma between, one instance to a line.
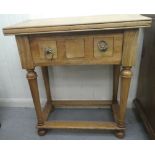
(120,134)
(42,132)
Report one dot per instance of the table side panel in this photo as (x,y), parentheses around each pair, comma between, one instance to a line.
(130,47)
(24,52)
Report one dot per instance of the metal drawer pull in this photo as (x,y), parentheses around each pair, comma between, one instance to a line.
(102,46)
(49,53)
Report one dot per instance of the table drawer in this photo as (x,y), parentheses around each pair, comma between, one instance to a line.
(103,46)
(78,49)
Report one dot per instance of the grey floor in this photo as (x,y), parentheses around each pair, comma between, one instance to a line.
(19,123)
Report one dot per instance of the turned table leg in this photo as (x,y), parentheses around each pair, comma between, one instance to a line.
(126,75)
(32,79)
(116,73)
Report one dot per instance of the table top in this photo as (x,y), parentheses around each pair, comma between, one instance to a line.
(84,23)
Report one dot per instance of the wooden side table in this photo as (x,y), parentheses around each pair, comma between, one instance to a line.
(110,39)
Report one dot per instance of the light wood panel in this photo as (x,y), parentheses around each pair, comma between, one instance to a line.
(89,125)
(109,52)
(42,47)
(74,48)
(79,24)
(81,103)
(130,47)
(77,49)
(82,20)
(24,52)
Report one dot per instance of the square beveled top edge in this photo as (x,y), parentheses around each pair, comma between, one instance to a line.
(84,23)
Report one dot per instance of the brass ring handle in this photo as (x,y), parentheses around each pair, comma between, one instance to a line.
(49,52)
(102,46)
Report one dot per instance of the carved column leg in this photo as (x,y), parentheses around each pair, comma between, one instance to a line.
(126,75)
(32,79)
(116,73)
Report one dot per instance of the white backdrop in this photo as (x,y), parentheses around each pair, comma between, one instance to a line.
(68,82)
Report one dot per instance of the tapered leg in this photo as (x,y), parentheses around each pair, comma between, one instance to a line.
(116,73)
(46,82)
(32,79)
(126,75)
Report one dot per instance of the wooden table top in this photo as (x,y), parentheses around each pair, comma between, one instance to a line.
(84,23)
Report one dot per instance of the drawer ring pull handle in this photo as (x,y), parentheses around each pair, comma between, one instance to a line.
(102,46)
(49,53)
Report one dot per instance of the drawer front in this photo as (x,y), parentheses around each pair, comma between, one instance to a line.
(103,46)
(80,49)
(46,50)
(74,48)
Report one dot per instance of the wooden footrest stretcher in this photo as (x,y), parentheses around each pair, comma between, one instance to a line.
(87,125)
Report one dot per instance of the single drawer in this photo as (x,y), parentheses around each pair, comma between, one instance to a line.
(77,49)
(47,50)
(103,46)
